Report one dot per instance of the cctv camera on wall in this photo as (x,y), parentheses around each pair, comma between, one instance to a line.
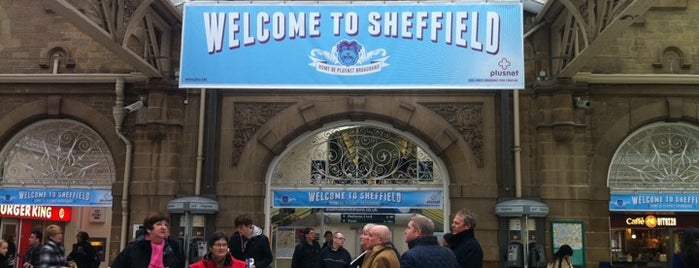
(134,106)
(584,103)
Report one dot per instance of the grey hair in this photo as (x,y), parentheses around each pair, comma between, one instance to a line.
(424,224)
(367,227)
(468,216)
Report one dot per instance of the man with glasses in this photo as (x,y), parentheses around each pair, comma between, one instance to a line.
(306,252)
(335,256)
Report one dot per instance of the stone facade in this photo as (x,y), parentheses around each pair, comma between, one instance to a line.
(566,150)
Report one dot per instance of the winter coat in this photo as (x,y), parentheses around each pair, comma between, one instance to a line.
(381,256)
(305,255)
(4,262)
(52,255)
(425,252)
(467,249)
(84,255)
(357,262)
(256,247)
(208,262)
(330,258)
(32,256)
(137,255)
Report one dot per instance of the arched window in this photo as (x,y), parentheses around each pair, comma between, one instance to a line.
(57,152)
(357,158)
(355,154)
(657,157)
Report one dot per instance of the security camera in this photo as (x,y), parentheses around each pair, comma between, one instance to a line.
(584,103)
(134,106)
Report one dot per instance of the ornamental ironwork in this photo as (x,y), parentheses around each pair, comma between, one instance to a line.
(57,152)
(658,157)
(355,154)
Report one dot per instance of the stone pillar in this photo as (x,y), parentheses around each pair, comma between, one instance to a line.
(159,148)
(560,143)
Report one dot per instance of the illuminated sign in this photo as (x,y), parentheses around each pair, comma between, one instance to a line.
(49,213)
(652,221)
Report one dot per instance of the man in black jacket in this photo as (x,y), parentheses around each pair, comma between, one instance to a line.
(466,248)
(31,258)
(83,253)
(306,252)
(249,242)
(335,256)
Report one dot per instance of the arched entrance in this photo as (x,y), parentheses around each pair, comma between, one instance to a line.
(57,171)
(654,183)
(347,174)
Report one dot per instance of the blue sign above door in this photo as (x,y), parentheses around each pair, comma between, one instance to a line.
(357,199)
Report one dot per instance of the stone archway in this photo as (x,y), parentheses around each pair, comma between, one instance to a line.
(347,174)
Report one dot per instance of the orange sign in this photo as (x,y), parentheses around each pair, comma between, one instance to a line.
(651,221)
(48,213)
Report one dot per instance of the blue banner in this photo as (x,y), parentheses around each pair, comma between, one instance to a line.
(357,199)
(352,45)
(56,197)
(654,202)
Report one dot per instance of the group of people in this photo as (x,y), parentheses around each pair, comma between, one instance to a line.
(379,251)
(52,254)
(248,247)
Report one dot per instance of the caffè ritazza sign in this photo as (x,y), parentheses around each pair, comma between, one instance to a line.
(651,221)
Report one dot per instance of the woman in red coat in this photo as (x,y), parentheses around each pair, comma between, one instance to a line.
(218,256)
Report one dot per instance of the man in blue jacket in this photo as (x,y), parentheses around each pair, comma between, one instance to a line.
(424,249)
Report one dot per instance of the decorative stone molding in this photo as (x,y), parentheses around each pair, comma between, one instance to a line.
(467,119)
(672,60)
(247,120)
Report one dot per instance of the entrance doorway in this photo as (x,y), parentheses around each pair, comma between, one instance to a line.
(349,174)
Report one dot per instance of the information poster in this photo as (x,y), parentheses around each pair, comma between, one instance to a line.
(572,234)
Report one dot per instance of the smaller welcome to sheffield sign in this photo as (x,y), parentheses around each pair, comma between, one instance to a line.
(357,45)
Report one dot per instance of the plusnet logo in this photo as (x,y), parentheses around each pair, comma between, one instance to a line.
(504,64)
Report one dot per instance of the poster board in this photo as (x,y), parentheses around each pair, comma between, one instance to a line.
(287,239)
(573,234)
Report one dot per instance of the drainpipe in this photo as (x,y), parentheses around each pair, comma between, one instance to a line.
(119,114)
(200,141)
(516,146)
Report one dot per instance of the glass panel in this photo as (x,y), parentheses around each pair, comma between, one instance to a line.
(661,156)
(633,245)
(55,152)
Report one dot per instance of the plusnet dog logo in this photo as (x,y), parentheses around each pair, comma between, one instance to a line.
(348,57)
